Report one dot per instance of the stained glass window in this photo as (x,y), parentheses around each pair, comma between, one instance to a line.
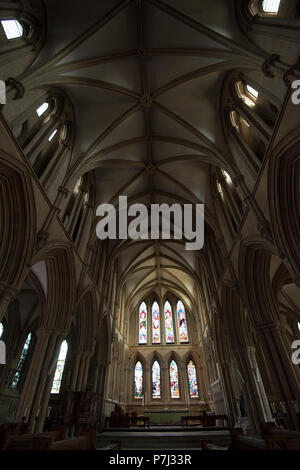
(169,323)
(17,374)
(1,329)
(138,380)
(143,324)
(156,380)
(60,367)
(174,384)
(155,324)
(192,376)
(182,327)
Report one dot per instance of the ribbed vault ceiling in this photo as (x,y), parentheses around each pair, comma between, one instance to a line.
(145,79)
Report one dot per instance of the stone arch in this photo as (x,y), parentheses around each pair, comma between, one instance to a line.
(181,378)
(86,319)
(17,216)
(284,200)
(61,284)
(138,356)
(254,270)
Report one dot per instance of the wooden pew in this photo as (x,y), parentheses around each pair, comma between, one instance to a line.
(75,443)
(241,442)
(45,441)
(11,429)
(274,442)
(280,439)
(274,439)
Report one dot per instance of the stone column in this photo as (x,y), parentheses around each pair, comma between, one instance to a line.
(262,225)
(81,372)
(255,395)
(228,389)
(35,144)
(52,169)
(165,382)
(32,379)
(285,375)
(48,381)
(75,369)
(40,396)
(85,372)
(7,294)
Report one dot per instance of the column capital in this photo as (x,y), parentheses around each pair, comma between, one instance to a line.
(65,191)
(44,331)
(268,63)
(238,180)
(8,291)
(275,325)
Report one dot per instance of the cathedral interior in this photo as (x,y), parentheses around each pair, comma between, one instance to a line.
(165,102)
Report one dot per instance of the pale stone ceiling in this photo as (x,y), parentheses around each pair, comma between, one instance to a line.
(145,79)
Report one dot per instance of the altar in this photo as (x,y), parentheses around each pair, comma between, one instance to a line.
(165,416)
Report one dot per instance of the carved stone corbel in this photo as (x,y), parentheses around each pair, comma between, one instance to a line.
(42,238)
(13,85)
(265,230)
(267,65)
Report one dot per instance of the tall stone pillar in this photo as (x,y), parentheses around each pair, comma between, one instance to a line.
(7,294)
(253,389)
(32,378)
(36,418)
(225,371)
(285,375)
(75,369)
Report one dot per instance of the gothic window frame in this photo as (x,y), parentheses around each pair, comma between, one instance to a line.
(190,360)
(187,341)
(17,24)
(172,322)
(152,323)
(173,360)
(256,7)
(14,383)
(144,342)
(241,89)
(156,361)
(136,362)
(59,368)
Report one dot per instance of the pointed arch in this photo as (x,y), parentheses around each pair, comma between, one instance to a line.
(156,380)
(174,379)
(138,380)
(182,323)
(143,323)
(169,328)
(192,378)
(24,353)
(156,338)
(60,367)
